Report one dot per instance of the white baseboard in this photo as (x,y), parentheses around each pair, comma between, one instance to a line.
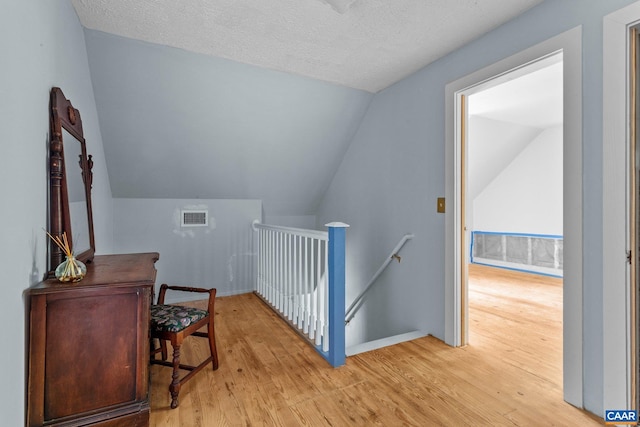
(383,342)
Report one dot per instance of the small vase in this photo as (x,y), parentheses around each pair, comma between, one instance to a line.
(71,270)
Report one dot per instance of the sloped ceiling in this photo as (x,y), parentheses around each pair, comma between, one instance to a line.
(362,44)
(534,99)
(181,125)
(506,118)
(255,100)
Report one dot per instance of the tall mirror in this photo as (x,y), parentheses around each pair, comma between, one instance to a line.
(70,182)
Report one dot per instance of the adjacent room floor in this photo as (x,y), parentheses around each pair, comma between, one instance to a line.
(510,373)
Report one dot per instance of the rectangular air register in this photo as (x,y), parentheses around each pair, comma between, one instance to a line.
(194,218)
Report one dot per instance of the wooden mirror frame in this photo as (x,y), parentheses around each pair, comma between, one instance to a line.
(65,116)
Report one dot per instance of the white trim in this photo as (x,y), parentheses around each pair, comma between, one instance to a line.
(337,225)
(615,213)
(525,268)
(383,342)
(570,43)
(314,234)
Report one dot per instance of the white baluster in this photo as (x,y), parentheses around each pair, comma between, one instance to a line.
(270,267)
(312,302)
(305,283)
(287,307)
(283,284)
(289,277)
(260,255)
(294,269)
(265,247)
(274,273)
(280,271)
(325,287)
(278,282)
(274,269)
(319,298)
(262,260)
(285,270)
(263,255)
(300,294)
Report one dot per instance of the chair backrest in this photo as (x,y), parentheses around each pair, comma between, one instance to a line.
(212,294)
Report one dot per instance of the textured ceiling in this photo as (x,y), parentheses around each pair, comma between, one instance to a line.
(362,44)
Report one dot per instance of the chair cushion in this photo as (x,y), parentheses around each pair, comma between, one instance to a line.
(174,318)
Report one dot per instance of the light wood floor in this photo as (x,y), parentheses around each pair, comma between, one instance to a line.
(509,375)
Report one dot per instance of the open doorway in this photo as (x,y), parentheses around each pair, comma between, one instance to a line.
(511,169)
(514,170)
(514,216)
(456,232)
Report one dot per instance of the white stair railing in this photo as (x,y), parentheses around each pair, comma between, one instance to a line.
(301,276)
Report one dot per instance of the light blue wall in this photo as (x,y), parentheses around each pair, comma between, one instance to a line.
(220,255)
(182,125)
(42,45)
(394,171)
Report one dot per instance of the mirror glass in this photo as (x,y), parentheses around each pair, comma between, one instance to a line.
(76,194)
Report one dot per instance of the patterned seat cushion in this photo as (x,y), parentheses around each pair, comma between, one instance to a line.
(174,318)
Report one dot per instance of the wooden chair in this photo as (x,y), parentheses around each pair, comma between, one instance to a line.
(174,323)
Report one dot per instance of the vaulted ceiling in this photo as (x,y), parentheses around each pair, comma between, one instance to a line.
(255,100)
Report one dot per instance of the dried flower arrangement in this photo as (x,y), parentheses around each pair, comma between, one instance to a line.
(70,270)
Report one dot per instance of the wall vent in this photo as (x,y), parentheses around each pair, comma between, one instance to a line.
(194,218)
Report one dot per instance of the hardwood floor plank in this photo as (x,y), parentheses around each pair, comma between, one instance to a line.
(509,375)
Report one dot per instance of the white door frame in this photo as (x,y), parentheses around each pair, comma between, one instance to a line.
(570,43)
(617,289)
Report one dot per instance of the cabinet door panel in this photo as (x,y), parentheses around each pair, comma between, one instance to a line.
(92,345)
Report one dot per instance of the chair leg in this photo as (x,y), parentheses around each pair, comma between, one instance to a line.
(212,345)
(152,348)
(163,349)
(174,388)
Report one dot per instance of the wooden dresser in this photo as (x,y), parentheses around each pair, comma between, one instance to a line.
(89,345)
